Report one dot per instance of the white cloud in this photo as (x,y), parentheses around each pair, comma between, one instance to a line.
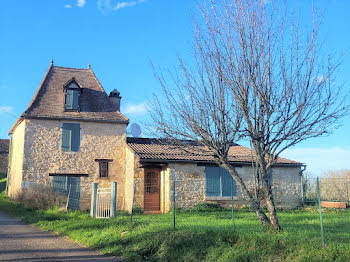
(67,6)
(319,160)
(135,109)
(6,109)
(81,3)
(109,5)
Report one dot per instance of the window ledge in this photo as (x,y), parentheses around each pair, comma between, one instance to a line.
(220,198)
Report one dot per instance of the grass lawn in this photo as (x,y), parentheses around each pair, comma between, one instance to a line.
(200,236)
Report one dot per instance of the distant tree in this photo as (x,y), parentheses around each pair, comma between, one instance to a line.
(256,77)
(335,185)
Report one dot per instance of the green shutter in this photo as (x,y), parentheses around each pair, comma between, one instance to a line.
(69,99)
(270,177)
(228,183)
(66,138)
(213,181)
(75,99)
(70,137)
(75,141)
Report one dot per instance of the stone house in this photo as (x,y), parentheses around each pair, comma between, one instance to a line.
(4,154)
(72,135)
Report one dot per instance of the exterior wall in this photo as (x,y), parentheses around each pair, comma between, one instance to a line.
(43,155)
(16,160)
(129,178)
(190,186)
(4,157)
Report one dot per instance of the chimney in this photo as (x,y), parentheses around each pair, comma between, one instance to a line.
(115,97)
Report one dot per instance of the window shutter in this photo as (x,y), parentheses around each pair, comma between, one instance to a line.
(213,181)
(75,99)
(270,177)
(228,183)
(69,99)
(75,141)
(66,137)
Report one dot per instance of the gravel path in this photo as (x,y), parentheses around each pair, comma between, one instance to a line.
(22,242)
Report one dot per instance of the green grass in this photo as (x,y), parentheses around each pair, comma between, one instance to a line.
(2,182)
(200,236)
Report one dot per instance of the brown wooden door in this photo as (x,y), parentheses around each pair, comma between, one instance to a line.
(152,189)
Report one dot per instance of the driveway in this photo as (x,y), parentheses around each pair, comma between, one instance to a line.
(22,242)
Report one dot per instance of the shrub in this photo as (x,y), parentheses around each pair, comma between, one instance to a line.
(207,207)
(41,198)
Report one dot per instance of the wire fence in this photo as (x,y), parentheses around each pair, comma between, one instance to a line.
(332,189)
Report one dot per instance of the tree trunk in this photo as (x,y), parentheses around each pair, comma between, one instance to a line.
(265,221)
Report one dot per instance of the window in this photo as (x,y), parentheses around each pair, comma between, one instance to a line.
(219,182)
(70,137)
(103,167)
(72,96)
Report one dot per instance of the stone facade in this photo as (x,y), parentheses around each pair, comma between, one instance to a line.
(41,155)
(4,157)
(190,185)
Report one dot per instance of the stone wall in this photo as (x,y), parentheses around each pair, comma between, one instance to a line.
(43,155)
(4,157)
(190,186)
(16,160)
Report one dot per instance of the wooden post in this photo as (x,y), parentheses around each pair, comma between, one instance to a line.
(93,199)
(320,209)
(233,219)
(114,199)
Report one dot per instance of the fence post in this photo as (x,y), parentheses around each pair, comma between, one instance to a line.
(320,209)
(174,213)
(233,219)
(132,203)
(114,199)
(93,200)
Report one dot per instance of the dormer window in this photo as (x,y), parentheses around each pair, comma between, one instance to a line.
(72,93)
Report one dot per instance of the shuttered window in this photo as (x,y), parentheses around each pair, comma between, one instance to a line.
(70,137)
(72,99)
(219,182)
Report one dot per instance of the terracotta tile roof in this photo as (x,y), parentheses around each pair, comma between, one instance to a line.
(4,145)
(163,150)
(49,100)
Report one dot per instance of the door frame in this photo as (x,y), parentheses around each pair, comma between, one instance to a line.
(158,170)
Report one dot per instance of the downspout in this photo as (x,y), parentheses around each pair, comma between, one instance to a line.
(9,164)
(301,183)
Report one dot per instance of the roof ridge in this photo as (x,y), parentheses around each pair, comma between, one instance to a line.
(75,68)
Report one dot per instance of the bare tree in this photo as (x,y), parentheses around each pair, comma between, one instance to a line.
(256,77)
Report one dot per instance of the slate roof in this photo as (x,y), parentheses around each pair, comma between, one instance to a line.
(49,99)
(4,145)
(151,149)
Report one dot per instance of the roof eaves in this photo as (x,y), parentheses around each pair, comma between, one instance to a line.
(78,119)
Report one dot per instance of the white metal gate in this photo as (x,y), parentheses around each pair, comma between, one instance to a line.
(103,203)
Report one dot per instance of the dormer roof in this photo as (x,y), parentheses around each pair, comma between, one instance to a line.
(49,100)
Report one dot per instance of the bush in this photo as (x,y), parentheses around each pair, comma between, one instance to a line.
(207,207)
(41,198)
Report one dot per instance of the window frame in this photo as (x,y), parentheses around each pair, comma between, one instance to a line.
(220,173)
(72,86)
(74,132)
(102,162)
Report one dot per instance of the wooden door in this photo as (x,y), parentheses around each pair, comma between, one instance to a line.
(152,189)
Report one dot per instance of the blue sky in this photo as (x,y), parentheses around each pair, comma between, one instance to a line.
(120,38)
